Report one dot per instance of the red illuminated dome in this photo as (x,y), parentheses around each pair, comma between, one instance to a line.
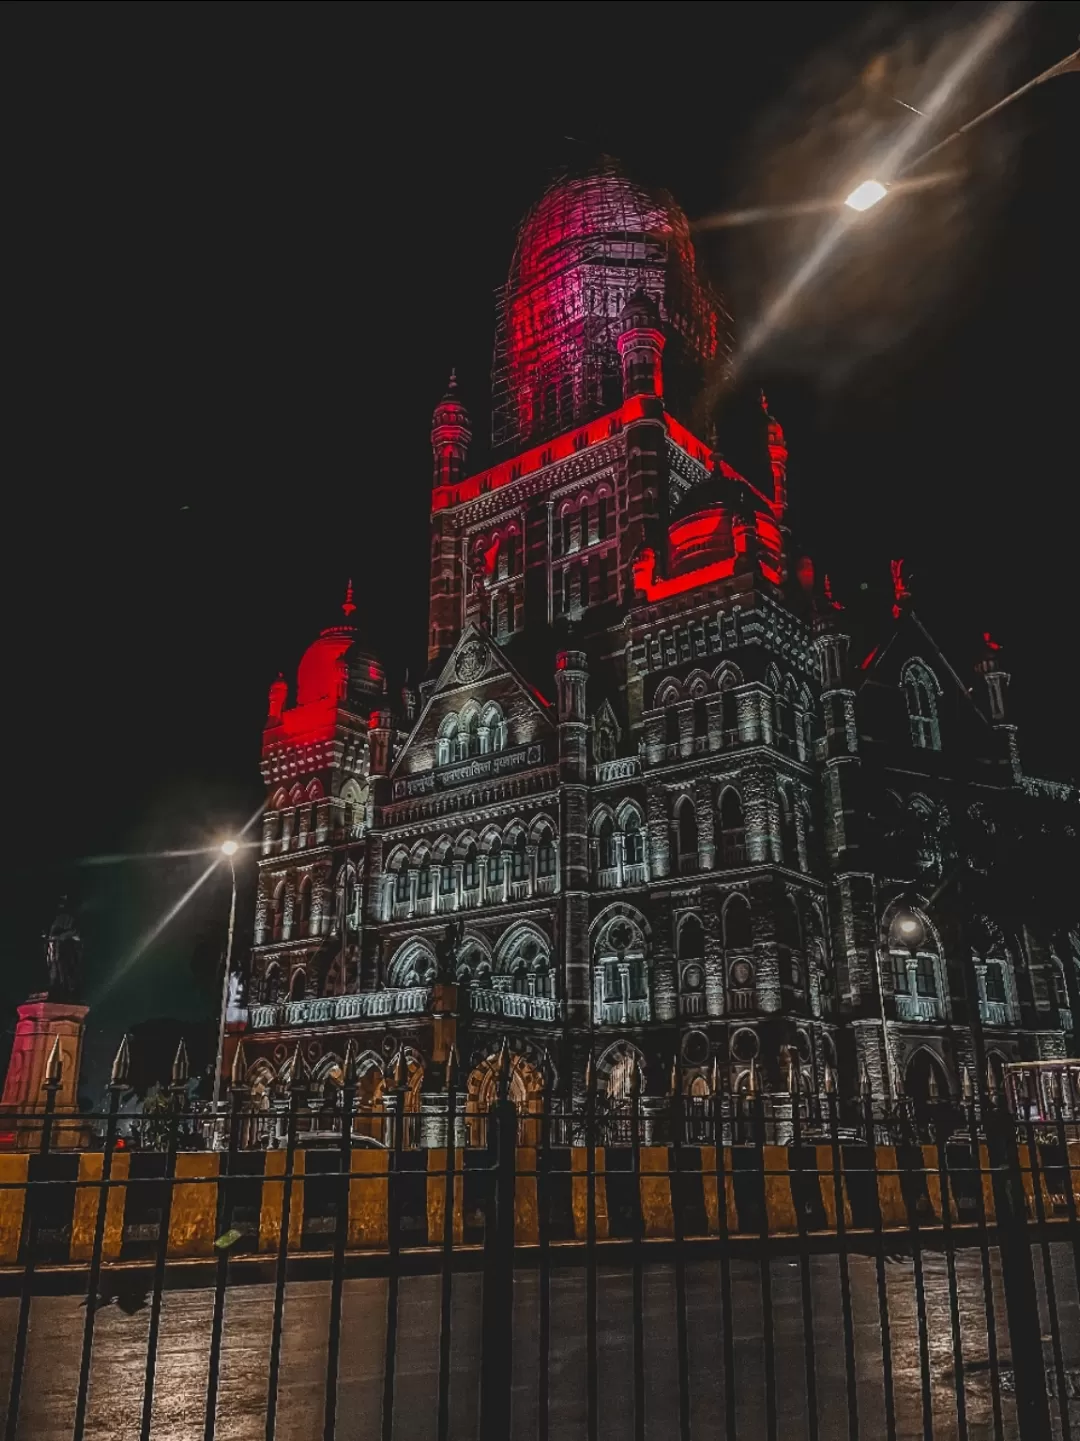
(584,249)
(337,668)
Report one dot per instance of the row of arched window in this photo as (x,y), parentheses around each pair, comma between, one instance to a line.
(471,871)
(475,731)
(305,817)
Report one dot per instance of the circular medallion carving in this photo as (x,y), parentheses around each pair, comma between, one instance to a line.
(695,1048)
(744,1045)
(471,662)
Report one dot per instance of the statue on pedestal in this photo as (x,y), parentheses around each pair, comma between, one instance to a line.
(446,953)
(63,955)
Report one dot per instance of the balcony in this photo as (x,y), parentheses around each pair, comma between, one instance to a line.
(624,1012)
(323,1009)
(635,873)
(513,1005)
(996,1013)
(919,1008)
(742,999)
(623,769)
(607,878)
(1065,1018)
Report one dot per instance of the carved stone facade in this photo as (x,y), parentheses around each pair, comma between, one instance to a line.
(680,803)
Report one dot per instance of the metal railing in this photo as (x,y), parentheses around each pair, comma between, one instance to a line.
(896,1269)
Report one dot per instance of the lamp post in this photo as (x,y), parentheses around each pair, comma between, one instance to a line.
(229,849)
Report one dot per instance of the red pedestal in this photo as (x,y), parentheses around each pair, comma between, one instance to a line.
(41,1021)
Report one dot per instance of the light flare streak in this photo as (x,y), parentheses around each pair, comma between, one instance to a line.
(149,936)
(889,167)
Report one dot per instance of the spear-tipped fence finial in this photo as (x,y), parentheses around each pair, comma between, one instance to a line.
(452,1067)
(181,1068)
(830,1080)
(967,1088)
(503,1069)
(54,1066)
(348,1066)
(238,1070)
(714,1079)
(298,1071)
(121,1066)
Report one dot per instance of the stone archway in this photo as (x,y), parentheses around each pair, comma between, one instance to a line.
(526,1090)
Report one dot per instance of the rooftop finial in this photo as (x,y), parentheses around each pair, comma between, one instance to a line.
(348,605)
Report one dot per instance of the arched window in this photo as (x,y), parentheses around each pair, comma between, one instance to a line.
(495,864)
(470,871)
(298,986)
(738,935)
(423,878)
(519,858)
(605,838)
(732,829)
(271,985)
(789,841)
(445,745)
(634,841)
(701,723)
(920,695)
(729,709)
(303,907)
(691,939)
(401,883)
(603,504)
(604,742)
(545,855)
(277,927)
(686,834)
(469,736)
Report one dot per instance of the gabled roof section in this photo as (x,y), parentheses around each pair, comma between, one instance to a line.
(910,638)
(475,666)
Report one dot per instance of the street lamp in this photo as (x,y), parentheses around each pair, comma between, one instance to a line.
(229,849)
(866,195)
(869,192)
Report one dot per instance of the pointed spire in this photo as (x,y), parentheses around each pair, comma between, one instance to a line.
(452,1068)
(239,1066)
(714,1080)
(991,1078)
(452,385)
(967,1088)
(348,606)
(121,1066)
(54,1066)
(298,1071)
(180,1067)
(348,1066)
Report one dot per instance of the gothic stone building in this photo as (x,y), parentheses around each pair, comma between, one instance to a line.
(672,798)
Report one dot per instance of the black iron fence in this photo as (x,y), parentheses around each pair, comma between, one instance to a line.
(824,1268)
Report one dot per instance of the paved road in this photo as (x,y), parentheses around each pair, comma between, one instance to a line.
(119,1356)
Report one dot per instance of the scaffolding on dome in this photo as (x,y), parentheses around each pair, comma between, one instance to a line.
(583,249)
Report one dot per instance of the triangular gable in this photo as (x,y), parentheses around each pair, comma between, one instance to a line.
(885,663)
(475,663)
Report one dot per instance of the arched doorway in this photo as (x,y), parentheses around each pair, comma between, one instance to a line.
(526,1090)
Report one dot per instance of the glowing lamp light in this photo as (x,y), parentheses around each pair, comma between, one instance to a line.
(909,925)
(229,848)
(866,194)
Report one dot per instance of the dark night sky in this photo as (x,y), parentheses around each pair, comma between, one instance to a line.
(247,244)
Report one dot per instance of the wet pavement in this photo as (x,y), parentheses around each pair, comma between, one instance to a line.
(120,1353)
